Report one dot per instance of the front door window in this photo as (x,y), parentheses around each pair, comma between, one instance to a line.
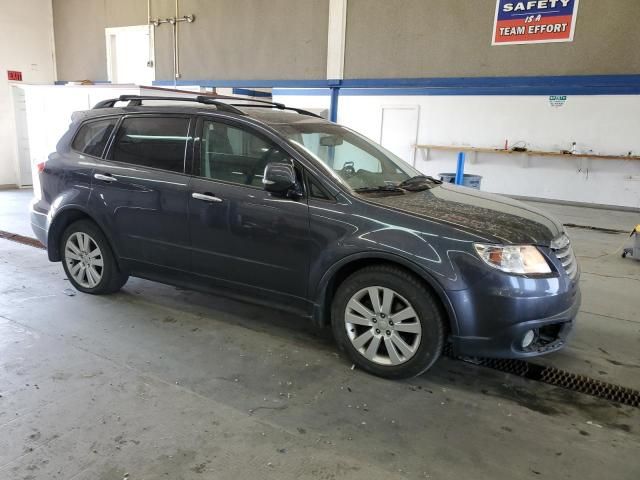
(236,155)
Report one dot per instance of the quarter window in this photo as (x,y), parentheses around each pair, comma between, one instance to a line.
(158,142)
(93,136)
(236,155)
(315,190)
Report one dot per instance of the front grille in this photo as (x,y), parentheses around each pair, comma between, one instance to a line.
(564,252)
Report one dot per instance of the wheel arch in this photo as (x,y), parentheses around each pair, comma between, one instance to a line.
(338,272)
(59,224)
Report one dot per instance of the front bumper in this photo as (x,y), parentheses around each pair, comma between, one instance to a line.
(492,319)
(552,334)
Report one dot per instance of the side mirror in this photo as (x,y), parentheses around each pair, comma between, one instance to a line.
(279,178)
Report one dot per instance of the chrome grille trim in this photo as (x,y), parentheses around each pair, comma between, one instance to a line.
(563,251)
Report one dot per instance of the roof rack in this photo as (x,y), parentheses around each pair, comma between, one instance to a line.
(136,100)
(279,106)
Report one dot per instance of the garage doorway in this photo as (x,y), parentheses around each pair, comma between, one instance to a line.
(399,130)
(130,55)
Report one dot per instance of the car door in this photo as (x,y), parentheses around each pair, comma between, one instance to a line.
(140,191)
(242,236)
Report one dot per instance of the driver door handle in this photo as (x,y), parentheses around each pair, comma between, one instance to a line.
(105,178)
(206,197)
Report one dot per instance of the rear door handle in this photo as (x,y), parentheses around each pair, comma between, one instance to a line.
(206,197)
(105,178)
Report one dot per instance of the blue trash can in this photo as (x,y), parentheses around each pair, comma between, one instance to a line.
(471,181)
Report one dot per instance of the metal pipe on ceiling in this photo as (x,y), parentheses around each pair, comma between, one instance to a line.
(176,46)
(150,53)
(174,21)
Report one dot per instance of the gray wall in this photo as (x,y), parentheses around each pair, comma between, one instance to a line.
(287,39)
(230,39)
(79,33)
(450,38)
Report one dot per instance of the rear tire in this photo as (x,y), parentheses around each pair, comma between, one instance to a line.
(88,260)
(388,322)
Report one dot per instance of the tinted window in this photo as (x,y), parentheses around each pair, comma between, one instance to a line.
(316,191)
(152,142)
(236,155)
(93,136)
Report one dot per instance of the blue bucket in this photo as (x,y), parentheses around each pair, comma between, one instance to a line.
(471,181)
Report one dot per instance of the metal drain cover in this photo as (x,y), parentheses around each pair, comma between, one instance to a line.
(560,378)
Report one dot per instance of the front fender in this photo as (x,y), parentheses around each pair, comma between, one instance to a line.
(320,292)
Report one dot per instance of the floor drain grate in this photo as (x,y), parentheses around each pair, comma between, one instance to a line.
(14,237)
(560,378)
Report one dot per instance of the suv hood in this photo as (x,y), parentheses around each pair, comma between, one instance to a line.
(493,218)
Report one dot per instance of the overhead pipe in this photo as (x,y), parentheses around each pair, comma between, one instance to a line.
(150,52)
(176,49)
(174,21)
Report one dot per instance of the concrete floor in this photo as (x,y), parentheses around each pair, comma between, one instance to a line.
(14,211)
(157,382)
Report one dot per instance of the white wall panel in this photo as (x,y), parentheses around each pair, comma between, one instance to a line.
(26,45)
(598,124)
(49,109)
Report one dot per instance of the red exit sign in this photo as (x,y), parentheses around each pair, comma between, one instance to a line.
(14,75)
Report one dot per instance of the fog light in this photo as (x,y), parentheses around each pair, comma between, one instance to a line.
(528,338)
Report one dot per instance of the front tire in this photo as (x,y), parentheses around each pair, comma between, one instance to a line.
(388,322)
(88,260)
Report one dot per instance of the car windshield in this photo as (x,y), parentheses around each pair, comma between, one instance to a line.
(354,160)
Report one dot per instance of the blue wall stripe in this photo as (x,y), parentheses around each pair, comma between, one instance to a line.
(250,93)
(557,85)
(486,91)
(565,85)
(460,82)
(304,91)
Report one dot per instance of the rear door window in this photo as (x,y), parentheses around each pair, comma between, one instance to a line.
(93,136)
(158,142)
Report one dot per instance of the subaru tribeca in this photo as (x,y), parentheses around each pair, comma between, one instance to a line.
(277,206)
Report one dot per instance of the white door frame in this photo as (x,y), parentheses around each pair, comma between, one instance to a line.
(415,108)
(109,34)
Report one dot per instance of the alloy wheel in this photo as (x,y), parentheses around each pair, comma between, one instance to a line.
(383,326)
(84,259)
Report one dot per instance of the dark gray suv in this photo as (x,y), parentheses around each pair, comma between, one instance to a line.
(278,206)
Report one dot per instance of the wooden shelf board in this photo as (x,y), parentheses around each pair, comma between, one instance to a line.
(534,153)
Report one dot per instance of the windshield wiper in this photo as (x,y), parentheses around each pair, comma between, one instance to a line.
(380,189)
(419,179)
(419,182)
(413,184)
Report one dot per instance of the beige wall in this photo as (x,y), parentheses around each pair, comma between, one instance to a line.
(451,38)
(230,39)
(79,34)
(287,39)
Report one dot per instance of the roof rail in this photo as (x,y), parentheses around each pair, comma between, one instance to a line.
(136,100)
(279,106)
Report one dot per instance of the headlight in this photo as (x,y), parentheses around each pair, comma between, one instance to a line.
(520,259)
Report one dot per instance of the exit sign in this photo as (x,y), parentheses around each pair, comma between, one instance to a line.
(14,75)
